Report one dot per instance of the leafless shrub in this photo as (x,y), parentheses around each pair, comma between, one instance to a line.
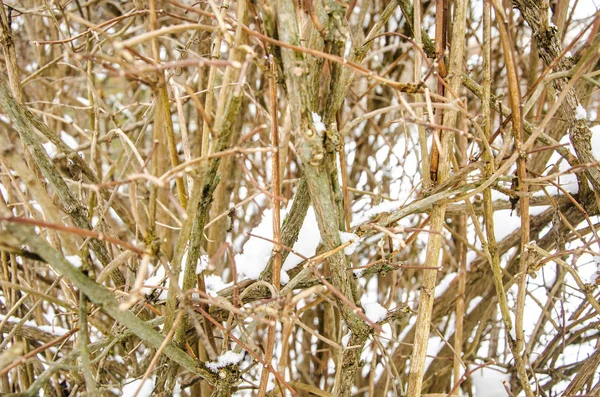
(299,198)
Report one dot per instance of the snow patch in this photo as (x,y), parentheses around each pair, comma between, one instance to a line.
(83,101)
(225,359)
(50,149)
(202,264)
(49,329)
(319,125)
(214,284)
(132,386)
(444,284)
(257,251)
(507,221)
(386,206)
(473,304)
(346,339)
(68,139)
(580,113)
(488,382)
(154,281)
(74,260)
(346,237)
(374,311)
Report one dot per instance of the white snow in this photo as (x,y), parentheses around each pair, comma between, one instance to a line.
(50,149)
(346,237)
(488,382)
(225,359)
(580,113)
(131,387)
(257,251)
(159,275)
(506,223)
(68,140)
(74,260)
(155,281)
(386,206)
(595,141)
(3,191)
(214,284)
(308,240)
(567,179)
(444,284)
(83,101)
(319,125)
(473,304)
(56,331)
(568,182)
(346,339)
(374,311)
(202,264)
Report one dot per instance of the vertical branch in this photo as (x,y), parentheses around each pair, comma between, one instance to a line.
(90,382)
(559,17)
(518,344)
(312,153)
(276,174)
(440,48)
(217,232)
(341,78)
(192,235)
(344,172)
(163,127)
(163,131)
(210,85)
(552,53)
(340,88)
(276,188)
(158,166)
(489,169)
(418,32)
(291,226)
(163,102)
(199,213)
(544,22)
(185,140)
(425,165)
(10,55)
(415,378)
(461,251)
